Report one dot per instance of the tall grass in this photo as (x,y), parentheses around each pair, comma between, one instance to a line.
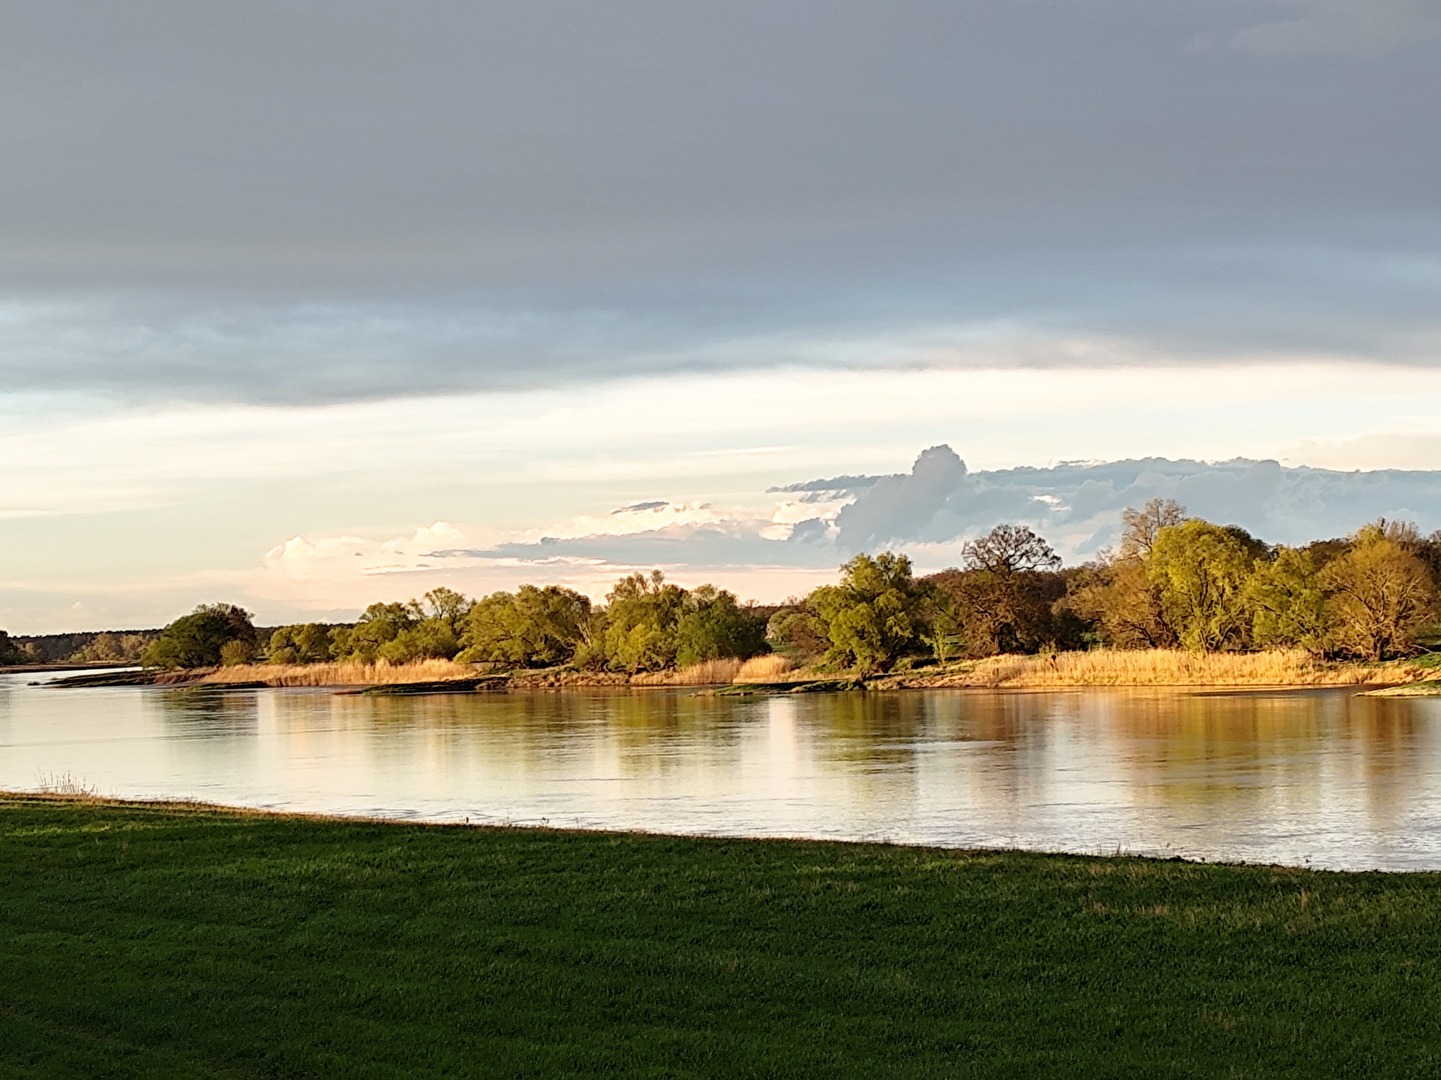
(64,784)
(706,673)
(1154,667)
(761,669)
(343,673)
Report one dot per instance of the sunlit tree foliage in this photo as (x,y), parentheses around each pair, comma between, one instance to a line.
(875,615)
(1379,594)
(197,639)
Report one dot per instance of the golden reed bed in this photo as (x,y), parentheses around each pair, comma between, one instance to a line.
(351,673)
(343,673)
(707,673)
(1158,667)
(758,669)
(1099,667)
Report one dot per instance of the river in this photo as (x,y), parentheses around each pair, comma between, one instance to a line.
(1320,777)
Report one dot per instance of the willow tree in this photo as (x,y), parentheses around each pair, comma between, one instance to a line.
(299,643)
(1288,606)
(641,614)
(532,627)
(715,627)
(874,616)
(1200,572)
(1378,594)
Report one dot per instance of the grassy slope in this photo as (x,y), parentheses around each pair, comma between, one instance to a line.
(144,941)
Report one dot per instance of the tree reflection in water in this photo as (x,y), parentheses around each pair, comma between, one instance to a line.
(1324,776)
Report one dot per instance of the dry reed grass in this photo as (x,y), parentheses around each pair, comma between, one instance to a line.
(343,673)
(66,786)
(1154,667)
(706,673)
(1098,667)
(762,669)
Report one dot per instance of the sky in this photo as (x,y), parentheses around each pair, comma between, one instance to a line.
(308,304)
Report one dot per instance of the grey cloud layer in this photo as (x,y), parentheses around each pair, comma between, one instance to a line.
(1077,506)
(676,545)
(279,198)
(1080,505)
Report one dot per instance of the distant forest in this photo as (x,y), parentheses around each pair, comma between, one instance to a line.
(87,647)
(1173,582)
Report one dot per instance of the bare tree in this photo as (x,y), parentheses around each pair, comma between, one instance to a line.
(1008,550)
(1139,527)
(1001,601)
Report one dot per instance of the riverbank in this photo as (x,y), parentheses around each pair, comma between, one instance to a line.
(67,665)
(173,940)
(1094,668)
(1429,688)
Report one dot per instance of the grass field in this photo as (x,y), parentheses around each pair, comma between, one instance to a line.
(169,941)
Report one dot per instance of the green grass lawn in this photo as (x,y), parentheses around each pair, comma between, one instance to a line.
(166,941)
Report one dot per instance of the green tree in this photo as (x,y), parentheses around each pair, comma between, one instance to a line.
(312,642)
(714,627)
(378,626)
(875,615)
(641,616)
(425,629)
(945,621)
(196,640)
(532,627)
(447,606)
(340,642)
(9,652)
(301,643)
(112,648)
(795,632)
(1200,571)
(428,639)
(1116,594)
(236,652)
(281,648)
(103,648)
(1378,594)
(1287,603)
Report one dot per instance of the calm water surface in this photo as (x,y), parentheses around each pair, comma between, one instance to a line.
(1319,777)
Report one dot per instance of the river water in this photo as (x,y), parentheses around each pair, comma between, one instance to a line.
(1321,778)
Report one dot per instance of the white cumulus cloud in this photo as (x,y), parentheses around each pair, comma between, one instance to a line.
(347,557)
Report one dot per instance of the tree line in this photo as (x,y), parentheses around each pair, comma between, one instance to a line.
(646,624)
(1172,582)
(86,647)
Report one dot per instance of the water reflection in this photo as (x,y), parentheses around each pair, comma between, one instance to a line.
(1324,776)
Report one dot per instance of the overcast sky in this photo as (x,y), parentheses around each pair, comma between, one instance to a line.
(326,274)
